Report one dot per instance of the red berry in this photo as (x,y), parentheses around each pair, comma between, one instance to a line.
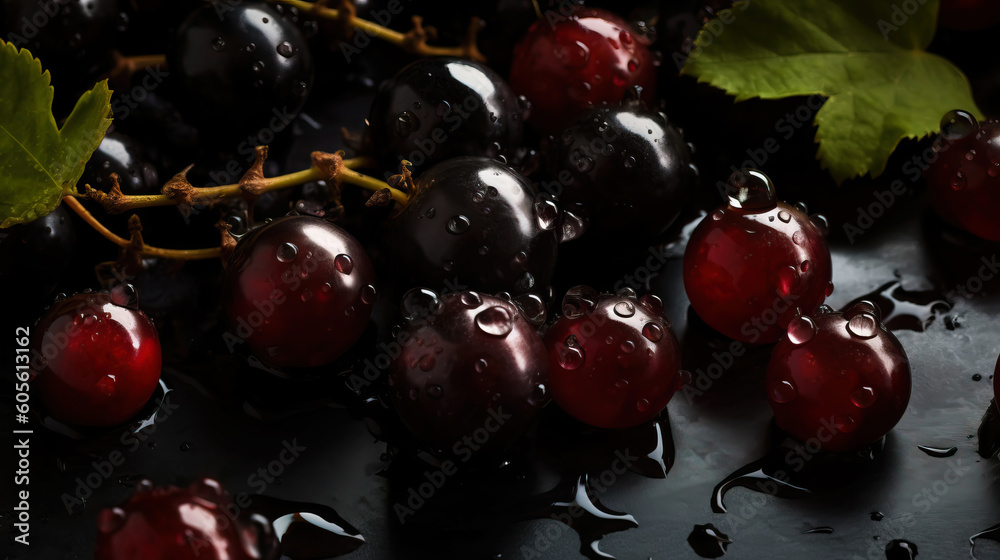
(473,370)
(840,379)
(299,290)
(614,361)
(586,60)
(964,180)
(175,524)
(748,266)
(99,361)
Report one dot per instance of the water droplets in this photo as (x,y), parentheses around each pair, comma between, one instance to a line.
(471,299)
(532,308)
(784,216)
(406,124)
(285,49)
(427,363)
(784,391)
(368,294)
(570,354)
(958,124)
(218,44)
(642,405)
(584,164)
(110,520)
(287,252)
(652,332)
(578,301)
(801,329)
(547,213)
(419,302)
(864,325)
(958,181)
(627,346)
(844,423)
(496,321)
(458,225)
(752,190)
(863,397)
(573,227)
(435,392)
(787,279)
(343,263)
(624,309)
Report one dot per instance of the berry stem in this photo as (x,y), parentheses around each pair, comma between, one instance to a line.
(180,254)
(179,191)
(413,41)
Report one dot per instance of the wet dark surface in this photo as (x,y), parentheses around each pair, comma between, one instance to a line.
(567,477)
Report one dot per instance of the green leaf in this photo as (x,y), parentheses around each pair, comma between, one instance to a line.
(866,56)
(39,162)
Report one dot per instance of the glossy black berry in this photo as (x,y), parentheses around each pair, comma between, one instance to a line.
(241,66)
(66,33)
(626,168)
(475,221)
(440,108)
(121,155)
(36,254)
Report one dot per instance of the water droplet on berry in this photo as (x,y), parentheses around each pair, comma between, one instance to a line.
(625,309)
(429,214)
(821,223)
(863,306)
(306,296)
(573,227)
(258,67)
(526,281)
(427,363)
(368,294)
(125,295)
(573,55)
(285,49)
(435,391)
(787,279)
(628,346)
(471,299)
(496,321)
(343,263)
(652,332)
(538,394)
(844,424)
(958,124)
(547,213)
(864,325)
(784,391)
(218,44)
(480,366)
(584,164)
(801,329)
(578,301)
(629,162)
(520,258)
(626,292)
(448,266)
(110,520)
(406,124)
(418,302)
(458,224)
(532,307)
(652,303)
(570,354)
(621,384)
(749,189)
(642,405)
(287,252)
(958,181)
(863,397)
(784,216)
(718,214)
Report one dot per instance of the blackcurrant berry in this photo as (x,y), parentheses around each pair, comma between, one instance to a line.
(472,369)
(439,108)
(98,362)
(475,222)
(299,290)
(614,361)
